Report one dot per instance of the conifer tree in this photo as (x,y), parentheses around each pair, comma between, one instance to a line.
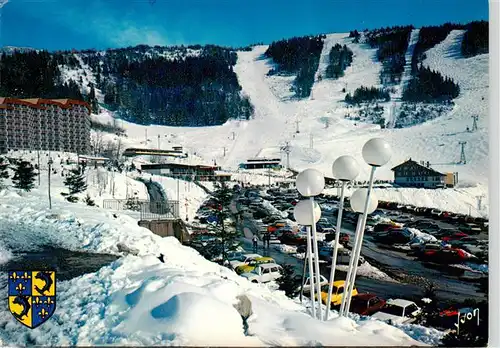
(24,176)
(288,282)
(75,182)
(4,174)
(223,195)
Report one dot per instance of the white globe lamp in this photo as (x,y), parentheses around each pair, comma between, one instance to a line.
(358,200)
(310,182)
(304,213)
(376,152)
(345,168)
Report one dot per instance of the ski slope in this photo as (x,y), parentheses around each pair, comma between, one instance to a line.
(321,122)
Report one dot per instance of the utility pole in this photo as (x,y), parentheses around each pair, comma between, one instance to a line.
(297,123)
(146,134)
(234,135)
(269,177)
(158,141)
(39,168)
(474,123)
(462,152)
(224,151)
(479,202)
(50,168)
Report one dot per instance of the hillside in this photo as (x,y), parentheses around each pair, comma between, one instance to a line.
(322,118)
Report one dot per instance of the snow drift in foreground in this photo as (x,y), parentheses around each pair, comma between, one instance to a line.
(138,300)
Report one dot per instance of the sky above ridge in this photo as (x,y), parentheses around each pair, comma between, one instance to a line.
(101,24)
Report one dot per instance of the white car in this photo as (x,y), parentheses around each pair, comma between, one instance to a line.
(307,284)
(264,273)
(398,311)
(243,260)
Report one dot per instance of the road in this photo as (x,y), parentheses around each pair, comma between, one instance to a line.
(398,265)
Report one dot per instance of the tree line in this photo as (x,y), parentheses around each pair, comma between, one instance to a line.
(340,57)
(430,86)
(367,94)
(35,74)
(429,37)
(195,86)
(300,56)
(392,43)
(476,39)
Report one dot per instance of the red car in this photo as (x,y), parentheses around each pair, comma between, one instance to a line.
(455,236)
(344,238)
(366,304)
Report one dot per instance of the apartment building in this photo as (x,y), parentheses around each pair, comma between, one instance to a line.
(44,124)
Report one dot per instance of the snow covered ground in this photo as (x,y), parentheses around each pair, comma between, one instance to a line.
(138,300)
(321,119)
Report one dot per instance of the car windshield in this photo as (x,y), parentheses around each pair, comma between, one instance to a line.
(241,258)
(324,288)
(393,309)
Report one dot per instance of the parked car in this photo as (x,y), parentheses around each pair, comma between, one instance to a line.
(264,273)
(366,304)
(393,236)
(455,236)
(343,255)
(398,311)
(243,259)
(307,284)
(250,266)
(445,256)
(292,239)
(470,228)
(337,292)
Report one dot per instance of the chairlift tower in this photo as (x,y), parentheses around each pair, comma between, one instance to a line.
(474,122)
(297,124)
(286,149)
(462,152)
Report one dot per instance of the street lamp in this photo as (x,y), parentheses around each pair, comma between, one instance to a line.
(302,213)
(345,169)
(310,183)
(358,202)
(376,152)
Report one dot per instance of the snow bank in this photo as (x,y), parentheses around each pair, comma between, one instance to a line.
(187,300)
(369,271)
(457,200)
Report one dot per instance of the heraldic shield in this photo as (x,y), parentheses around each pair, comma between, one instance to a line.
(32,296)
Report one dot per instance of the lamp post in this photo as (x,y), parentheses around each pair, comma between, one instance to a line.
(310,183)
(303,213)
(364,204)
(50,198)
(345,169)
(376,152)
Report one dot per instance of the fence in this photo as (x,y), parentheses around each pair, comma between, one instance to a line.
(156,210)
(163,210)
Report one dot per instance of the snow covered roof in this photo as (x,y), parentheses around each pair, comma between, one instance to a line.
(399,302)
(411,162)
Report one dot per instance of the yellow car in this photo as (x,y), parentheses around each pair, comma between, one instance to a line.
(337,292)
(249,267)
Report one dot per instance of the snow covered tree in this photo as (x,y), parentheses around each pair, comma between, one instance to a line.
(75,182)
(24,176)
(288,282)
(4,174)
(89,201)
(222,195)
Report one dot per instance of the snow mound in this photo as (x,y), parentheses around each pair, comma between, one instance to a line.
(369,271)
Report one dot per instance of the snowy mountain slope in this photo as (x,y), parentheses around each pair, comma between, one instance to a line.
(185,301)
(435,141)
(85,73)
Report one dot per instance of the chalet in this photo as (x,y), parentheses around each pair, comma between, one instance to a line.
(186,171)
(261,163)
(413,174)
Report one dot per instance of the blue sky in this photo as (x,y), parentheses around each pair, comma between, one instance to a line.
(100,24)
